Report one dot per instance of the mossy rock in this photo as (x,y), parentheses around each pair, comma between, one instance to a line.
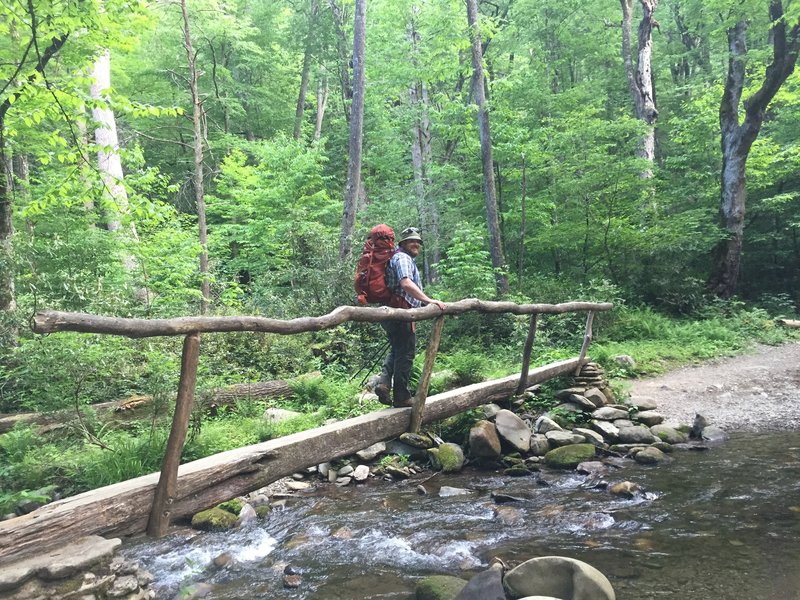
(448,457)
(214,519)
(569,457)
(232,506)
(263,510)
(439,587)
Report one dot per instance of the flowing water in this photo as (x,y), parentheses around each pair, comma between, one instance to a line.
(716,524)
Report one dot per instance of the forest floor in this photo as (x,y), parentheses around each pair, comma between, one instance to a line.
(757,391)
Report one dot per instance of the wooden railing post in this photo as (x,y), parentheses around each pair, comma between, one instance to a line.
(425,380)
(587,337)
(526,355)
(167,483)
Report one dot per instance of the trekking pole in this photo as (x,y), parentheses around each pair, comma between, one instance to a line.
(370,363)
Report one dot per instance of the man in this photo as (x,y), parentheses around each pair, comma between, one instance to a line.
(402,277)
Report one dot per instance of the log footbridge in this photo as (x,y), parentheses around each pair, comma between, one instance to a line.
(150,502)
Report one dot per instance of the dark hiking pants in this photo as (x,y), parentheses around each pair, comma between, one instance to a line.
(397,366)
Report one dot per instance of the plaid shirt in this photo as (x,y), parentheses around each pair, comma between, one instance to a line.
(401,266)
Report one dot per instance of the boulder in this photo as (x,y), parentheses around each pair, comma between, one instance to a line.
(214,519)
(361,473)
(582,401)
(417,440)
(487,585)
(483,440)
(609,413)
(448,457)
(371,453)
(620,423)
(715,435)
(540,445)
(569,457)
(544,424)
(564,438)
(558,577)
(649,417)
(642,403)
(513,430)
(609,432)
(247,515)
(627,489)
(596,397)
(591,436)
(439,587)
(490,410)
(668,434)
(636,435)
(650,456)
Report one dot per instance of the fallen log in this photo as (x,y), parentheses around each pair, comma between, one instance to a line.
(123,508)
(790,323)
(133,407)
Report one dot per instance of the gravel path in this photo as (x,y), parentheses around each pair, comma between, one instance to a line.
(758,391)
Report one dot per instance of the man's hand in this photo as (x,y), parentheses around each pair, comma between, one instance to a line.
(438,303)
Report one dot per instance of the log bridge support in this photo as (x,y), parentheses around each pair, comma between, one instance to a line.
(148,503)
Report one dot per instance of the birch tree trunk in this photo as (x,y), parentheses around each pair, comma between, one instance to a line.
(490,193)
(737,139)
(322,102)
(640,78)
(307,54)
(7,292)
(351,192)
(197,122)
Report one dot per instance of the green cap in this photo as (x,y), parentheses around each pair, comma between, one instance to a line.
(410,233)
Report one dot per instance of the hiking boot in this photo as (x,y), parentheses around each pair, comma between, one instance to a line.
(402,403)
(382,392)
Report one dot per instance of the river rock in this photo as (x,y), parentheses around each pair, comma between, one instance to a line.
(403,449)
(609,432)
(417,440)
(247,515)
(447,491)
(668,434)
(484,441)
(214,519)
(513,430)
(626,489)
(558,577)
(609,413)
(620,423)
(650,456)
(592,467)
(636,435)
(591,436)
(544,424)
(487,585)
(564,394)
(649,417)
(596,397)
(439,587)
(298,486)
(581,401)
(715,435)
(490,410)
(563,438)
(569,457)
(642,403)
(361,473)
(540,445)
(448,457)
(370,453)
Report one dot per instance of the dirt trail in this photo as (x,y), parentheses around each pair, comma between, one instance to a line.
(757,391)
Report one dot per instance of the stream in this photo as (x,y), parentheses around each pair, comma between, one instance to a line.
(722,523)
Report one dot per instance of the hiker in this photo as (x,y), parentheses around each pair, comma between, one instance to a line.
(402,278)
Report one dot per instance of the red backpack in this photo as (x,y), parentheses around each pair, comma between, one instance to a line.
(370,280)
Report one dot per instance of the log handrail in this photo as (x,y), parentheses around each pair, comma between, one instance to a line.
(55,321)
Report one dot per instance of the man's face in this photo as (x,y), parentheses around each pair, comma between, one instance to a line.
(412,247)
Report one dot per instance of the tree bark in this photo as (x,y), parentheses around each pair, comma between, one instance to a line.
(351,192)
(322,101)
(737,139)
(640,78)
(199,193)
(490,192)
(307,54)
(122,508)
(344,57)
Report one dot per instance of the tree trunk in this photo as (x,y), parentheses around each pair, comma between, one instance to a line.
(301,97)
(352,188)
(322,101)
(640,79)
(7,293)
(737,139)
(490,193)
(422,163)
(344,57)
(522,223)
(199,195)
